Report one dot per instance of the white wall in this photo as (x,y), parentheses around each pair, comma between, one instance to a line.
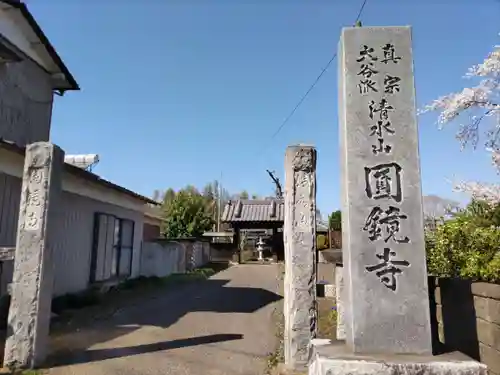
(74,240)
(167,257)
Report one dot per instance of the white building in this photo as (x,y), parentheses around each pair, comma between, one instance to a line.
(100,224)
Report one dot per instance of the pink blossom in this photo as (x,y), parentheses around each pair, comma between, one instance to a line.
(481,102)
(476,106)
(482,191)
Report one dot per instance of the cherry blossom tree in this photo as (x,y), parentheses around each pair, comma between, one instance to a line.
(477,109)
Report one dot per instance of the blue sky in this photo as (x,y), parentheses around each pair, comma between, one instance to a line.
(177,92)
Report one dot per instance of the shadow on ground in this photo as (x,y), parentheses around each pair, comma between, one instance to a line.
(103,354)
(211,295)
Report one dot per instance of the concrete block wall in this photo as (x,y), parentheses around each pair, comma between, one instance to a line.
(467,318)
(164,257)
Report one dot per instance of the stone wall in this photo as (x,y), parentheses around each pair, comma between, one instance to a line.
(466,317)
(164,257)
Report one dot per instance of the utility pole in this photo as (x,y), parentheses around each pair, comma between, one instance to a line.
(219,203)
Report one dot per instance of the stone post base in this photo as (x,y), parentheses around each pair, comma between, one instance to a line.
(334,358)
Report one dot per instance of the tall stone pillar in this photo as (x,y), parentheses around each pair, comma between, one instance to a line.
(300,254)
(385,275)
(31,296)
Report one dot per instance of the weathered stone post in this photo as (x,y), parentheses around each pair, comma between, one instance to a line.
(31,296)
(300,254)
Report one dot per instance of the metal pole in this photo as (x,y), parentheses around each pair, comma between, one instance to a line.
(219,203)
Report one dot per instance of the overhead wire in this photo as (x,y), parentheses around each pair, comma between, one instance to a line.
(302,99)
(323,71)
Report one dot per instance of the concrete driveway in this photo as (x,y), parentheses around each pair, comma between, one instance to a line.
(221,326)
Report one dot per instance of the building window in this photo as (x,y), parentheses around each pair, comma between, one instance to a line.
(113,246)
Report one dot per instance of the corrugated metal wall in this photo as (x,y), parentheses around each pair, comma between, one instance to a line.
(74,236)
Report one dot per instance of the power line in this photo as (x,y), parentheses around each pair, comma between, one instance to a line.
(299,103)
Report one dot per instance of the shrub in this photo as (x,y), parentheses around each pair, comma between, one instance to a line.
(467,247)
(321,242)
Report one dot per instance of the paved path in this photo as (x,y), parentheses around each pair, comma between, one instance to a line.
(221,326)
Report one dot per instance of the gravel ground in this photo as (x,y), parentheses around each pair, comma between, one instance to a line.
(221,326)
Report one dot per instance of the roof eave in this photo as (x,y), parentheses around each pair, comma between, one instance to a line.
(70,83)
(93,177)
(84,174)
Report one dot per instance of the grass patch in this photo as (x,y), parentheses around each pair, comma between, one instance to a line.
(327,327)
(278,356)
(327,319)
(6,371)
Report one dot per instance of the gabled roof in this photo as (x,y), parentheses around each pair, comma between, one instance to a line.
(20,28)
(272,210)
(259,211)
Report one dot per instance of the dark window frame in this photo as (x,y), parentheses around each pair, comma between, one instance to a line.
(117,247)
(122,247)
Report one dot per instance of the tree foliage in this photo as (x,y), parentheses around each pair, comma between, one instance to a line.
(186,214)
(467,246)
(190,212)
(335,220)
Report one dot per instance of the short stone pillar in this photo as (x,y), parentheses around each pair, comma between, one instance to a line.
(340,299)
(299,236)
(30,307)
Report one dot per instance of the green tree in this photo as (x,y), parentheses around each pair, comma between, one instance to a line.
(168,196)
(186,215)
(335,220)
(244,194)
(462,248)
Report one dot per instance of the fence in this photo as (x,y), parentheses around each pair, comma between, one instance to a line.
(335,239)
(164,257)
(465,316)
